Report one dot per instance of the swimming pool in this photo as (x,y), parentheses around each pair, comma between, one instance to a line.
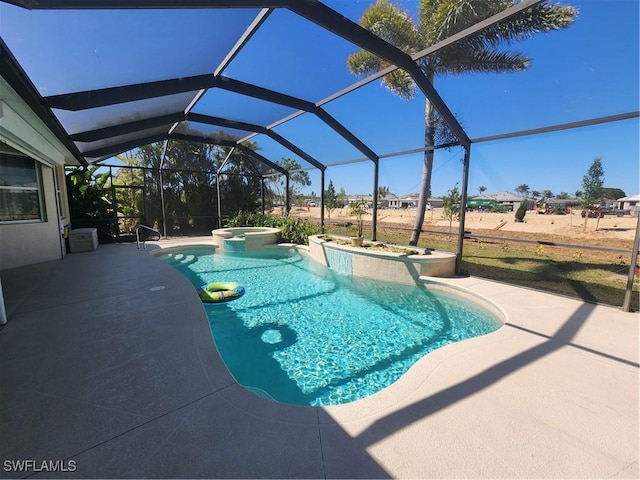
(304,335)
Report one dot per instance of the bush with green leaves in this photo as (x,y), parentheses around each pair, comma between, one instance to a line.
(521,212)
(90,202)
(297,231)
(292,230)
(250,219)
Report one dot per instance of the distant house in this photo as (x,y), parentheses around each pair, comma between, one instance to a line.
(409,201)
(629,203)
(354,198)
(506,200)
(387,200)
(406,201)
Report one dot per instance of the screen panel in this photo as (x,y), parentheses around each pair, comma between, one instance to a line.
(317,139)
(94,118)
(210,131)
(291,55)
(91,146)
(242,108)
(66,51)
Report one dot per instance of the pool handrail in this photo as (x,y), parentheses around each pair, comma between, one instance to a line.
(145,228)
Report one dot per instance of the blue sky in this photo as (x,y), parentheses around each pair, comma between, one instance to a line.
(588,70)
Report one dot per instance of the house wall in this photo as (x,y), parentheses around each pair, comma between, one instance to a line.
(25,243)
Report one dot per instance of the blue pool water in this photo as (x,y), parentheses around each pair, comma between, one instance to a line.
(305,335)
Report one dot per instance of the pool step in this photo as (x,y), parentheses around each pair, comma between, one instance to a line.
(181,259)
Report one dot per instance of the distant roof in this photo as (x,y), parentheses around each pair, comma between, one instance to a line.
(504,197)
(632,198)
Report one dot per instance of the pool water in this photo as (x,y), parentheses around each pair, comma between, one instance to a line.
(305,335)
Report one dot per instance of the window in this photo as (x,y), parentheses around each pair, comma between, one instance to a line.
(20,195)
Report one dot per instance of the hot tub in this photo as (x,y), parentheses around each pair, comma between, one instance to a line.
(244,239)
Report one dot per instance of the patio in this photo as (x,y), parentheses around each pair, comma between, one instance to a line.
(108,361)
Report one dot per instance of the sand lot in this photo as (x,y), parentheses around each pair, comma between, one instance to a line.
(609,231)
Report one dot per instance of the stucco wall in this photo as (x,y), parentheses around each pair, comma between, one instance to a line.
(25,243)
(28,243)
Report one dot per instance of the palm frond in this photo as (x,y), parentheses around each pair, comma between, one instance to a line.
(426,11)
(442,133)
(400,83)
(459,61)
(453,16)
(363,62)
(540,18)
(393,24)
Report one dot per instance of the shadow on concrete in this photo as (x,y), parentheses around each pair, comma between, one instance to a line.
(400,419)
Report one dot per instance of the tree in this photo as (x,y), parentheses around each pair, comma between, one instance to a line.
(482,189)
(523,189)
(535,195)
(359,209)
(484,52)
(382,192)
(522,210)
(592,188)
(592,184)
(330,199)
(547,194)
(451,205)
(612,193)
(342,197)
(188,184)
(297,178)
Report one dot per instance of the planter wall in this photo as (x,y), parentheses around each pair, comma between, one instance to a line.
(377,265)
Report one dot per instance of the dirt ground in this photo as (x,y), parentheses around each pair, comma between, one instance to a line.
(609,231)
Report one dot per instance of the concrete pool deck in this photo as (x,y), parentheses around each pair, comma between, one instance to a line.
(108,365)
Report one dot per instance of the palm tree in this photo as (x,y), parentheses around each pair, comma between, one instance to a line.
(484,52)
(523,189)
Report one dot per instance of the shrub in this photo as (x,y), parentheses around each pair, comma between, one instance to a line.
(249,219)
(358,209)
(296,231)
(292,230)
(522,210)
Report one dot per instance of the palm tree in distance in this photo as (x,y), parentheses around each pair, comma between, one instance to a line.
(486,51)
